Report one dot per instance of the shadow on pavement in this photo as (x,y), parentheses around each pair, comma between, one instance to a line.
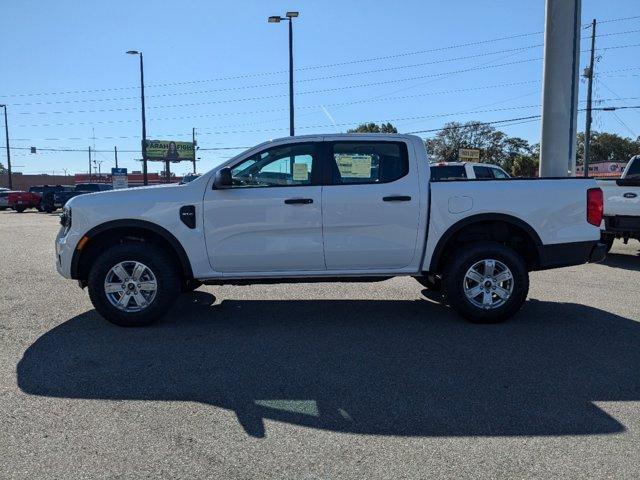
(407,368)
(626,262)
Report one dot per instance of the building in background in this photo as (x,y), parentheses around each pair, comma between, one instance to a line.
(602,169)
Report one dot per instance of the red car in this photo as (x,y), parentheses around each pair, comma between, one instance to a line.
(20,201)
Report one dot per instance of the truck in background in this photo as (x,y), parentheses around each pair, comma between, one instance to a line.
(622,205)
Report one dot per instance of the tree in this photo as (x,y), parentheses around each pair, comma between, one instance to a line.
(2,169)
(525,166)
(514,148)
(495,146)
(607,147)
(374,128)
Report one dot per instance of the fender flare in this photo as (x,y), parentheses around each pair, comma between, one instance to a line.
(482,217)
(185,264)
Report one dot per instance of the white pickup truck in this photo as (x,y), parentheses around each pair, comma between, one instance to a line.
(327,208)
(622,205)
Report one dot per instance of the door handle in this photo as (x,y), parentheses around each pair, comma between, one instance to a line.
(298,201)
(397,198)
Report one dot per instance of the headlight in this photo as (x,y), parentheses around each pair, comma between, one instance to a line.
(65,218)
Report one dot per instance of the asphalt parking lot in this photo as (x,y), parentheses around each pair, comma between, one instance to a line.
(307,381)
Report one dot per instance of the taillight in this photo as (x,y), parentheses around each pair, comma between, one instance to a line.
(595,206)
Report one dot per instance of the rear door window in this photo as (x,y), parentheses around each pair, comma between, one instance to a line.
(483,172)
(448,172)
(368,162)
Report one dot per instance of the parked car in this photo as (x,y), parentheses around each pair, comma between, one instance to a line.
(20,200)
(46,193)
(466,170)
(189,177)
(622,204)
(352,207)
(4,198)
(60,198)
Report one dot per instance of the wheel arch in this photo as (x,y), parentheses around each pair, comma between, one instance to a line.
(494,226)
(117,231)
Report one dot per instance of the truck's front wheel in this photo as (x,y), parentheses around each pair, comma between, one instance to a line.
(132,284)
(486,282)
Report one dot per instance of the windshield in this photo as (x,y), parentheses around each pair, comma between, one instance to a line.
(634,168)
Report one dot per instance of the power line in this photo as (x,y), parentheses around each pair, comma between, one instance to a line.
(434,75)
(278,119)
(192,82)
(236,88)
(530,117)
(84,150)
(215,102)
(308,92)
(523,119)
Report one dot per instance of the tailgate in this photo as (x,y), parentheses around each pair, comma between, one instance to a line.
(620,200)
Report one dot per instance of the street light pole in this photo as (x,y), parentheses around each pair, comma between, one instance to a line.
(277,19)
(6,131)
(291,110)
(193,139)
(144,121)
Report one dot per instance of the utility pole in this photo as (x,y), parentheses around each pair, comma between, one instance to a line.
(560,84)
(193,137)
(115,152)
(589,74)
(6,131)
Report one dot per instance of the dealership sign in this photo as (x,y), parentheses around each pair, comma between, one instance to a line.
(169,150)
(469,155)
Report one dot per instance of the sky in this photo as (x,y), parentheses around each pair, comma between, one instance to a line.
(221,68)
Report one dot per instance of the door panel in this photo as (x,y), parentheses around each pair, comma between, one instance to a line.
(254,230)
(368,221)
(271,219)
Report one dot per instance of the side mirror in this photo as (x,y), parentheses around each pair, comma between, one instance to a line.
(223,179)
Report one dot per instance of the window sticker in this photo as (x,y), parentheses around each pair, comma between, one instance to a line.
(354,166)
(361,166)
(300,172)
(344,163)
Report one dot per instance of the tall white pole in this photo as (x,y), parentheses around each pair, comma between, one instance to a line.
(560,88)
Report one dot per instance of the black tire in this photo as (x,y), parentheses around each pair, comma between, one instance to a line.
(161,265)
(454,282)
(49,209)
(607,239)
(430,282)
(20,208)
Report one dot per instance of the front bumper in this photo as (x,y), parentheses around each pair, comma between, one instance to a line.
(567,254)
(65,246)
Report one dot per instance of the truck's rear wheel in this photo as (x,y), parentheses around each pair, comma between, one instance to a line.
(20,208)
(133,285)
(486,282)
